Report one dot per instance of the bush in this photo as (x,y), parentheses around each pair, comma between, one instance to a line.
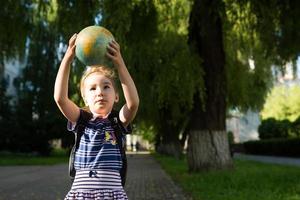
(295,129)
(272,128)
(276,147)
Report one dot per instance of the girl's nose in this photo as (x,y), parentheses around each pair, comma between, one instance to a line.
(99,91)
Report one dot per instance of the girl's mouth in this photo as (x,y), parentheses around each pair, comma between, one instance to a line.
(102,101)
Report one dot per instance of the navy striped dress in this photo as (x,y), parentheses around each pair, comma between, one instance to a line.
(97,162)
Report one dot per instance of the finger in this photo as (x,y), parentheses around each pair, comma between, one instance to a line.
(114,45)
(110,56)
(72,39)
(111,50)
(114,41)
(73,48)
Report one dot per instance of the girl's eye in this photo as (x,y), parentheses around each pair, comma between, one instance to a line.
(106,87)
(92,88)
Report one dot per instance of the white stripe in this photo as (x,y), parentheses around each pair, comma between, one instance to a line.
(82,144)
(85,182)
(101,141)
(111,149)
(108,165)
(97,155)
(101,156)
(99,162)
(91,156)
(87,171)
(101,179)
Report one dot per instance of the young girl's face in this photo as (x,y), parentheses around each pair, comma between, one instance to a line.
(99,94)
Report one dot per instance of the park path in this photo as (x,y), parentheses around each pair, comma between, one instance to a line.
(34,182)
(145,181)
(269,159)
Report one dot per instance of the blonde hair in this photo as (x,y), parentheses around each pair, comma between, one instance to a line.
(107,72)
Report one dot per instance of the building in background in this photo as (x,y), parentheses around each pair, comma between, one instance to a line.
(243,125)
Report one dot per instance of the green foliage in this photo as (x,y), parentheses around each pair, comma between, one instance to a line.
(72,16)
(116,16)
(177,78)
(153,39)
(12,159)
(295,128)
(15,25)
(272,128)
(6,118)
(263,31)
(51,26)
(147,131)
(157,56)
(282,103)
(247,64)
(173,15)
(277,147)
(276,26)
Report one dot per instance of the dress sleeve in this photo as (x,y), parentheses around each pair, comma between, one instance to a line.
(81,120)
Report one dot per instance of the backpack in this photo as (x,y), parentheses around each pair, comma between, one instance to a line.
(119,132)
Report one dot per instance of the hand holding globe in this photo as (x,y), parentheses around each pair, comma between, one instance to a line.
(91,46)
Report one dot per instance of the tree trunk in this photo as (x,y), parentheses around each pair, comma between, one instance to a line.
(169,143)
(208,143)
(208,150)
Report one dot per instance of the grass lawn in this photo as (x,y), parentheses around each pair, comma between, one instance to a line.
(56,157)
(249,180)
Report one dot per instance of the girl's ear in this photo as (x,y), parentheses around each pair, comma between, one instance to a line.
(117,98)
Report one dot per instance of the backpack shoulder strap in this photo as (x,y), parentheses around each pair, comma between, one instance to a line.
(114,118)
(83,119)
(115,122)
(119,133)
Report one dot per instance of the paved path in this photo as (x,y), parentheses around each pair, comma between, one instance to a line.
(34,182)
(269,159)
(146,181)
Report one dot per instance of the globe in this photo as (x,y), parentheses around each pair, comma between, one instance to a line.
(91,46)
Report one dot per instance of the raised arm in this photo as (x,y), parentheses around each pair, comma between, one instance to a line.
(128,111)
(69,109)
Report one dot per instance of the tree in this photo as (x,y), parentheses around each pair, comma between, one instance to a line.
(6,117)
(208,146)
(44,25)
(34,100)
(153,36)
(169,76)
(261,32)
(247,64)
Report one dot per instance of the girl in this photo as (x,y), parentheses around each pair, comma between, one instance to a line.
(98,159)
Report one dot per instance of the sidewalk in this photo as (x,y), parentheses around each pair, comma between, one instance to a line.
(269,159)
(145,181)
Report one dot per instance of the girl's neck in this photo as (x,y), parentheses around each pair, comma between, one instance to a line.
(100,115)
